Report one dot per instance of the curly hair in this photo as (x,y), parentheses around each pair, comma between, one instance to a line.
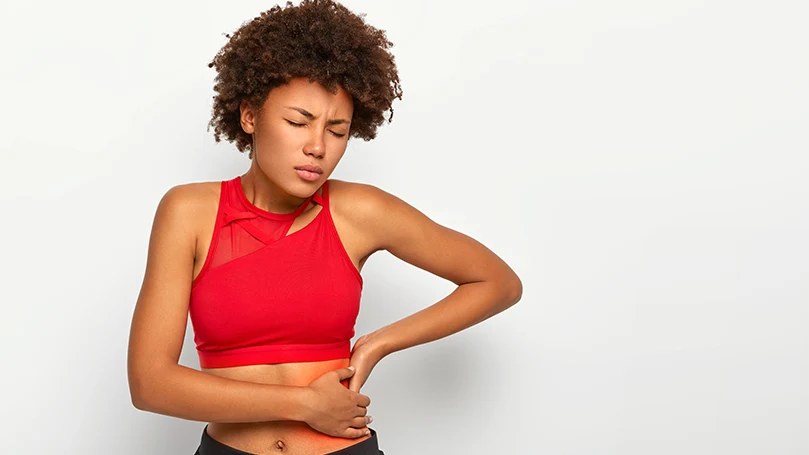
(318,39)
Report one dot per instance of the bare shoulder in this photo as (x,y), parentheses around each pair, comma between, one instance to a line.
(354,199)
(387,222)
(350,202)
(192,205)
(377,214)
(188,197)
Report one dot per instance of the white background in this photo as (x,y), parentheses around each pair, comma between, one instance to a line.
(641,165)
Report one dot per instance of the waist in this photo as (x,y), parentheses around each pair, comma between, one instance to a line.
(272,354)
(267,437)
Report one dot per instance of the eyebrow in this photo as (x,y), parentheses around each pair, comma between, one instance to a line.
(311,116)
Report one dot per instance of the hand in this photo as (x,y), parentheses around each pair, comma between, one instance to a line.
(330,408)
(364,357)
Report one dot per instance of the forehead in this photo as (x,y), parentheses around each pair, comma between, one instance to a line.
(310,95)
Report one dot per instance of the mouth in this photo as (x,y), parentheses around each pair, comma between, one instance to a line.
(309,173)
(310,168)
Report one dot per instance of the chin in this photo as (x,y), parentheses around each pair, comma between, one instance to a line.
(302,188)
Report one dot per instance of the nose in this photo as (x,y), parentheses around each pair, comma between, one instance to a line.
(316,145)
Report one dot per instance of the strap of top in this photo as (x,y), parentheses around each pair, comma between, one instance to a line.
(324,199)
(230,214)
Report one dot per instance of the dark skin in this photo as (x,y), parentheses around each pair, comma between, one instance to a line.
(315,413)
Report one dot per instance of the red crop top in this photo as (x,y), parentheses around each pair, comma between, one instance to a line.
(265,296)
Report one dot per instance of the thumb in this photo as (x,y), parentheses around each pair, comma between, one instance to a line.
(345,373)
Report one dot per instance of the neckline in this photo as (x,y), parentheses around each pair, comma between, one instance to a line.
(267,214)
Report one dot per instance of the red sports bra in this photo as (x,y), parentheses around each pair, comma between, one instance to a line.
(265,296)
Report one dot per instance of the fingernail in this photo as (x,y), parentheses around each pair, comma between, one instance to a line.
(351,368)
(370,419)
(367,432)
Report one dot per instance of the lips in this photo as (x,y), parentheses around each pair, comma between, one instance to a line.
(310,168)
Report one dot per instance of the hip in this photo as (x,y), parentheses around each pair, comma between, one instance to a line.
(283,437)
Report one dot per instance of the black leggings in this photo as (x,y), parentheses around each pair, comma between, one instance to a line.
(210,446)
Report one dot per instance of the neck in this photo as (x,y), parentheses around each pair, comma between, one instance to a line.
(266,195)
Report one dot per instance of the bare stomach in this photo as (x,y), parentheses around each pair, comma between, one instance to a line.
(282,436)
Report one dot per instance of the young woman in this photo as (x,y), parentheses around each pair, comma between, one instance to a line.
(268,263)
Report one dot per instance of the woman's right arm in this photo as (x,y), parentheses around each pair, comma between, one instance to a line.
(157,382)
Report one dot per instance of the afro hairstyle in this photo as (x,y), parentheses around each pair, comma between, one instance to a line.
(318,39)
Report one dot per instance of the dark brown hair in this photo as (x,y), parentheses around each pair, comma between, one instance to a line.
(318,39)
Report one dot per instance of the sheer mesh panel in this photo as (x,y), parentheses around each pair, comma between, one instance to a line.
(243,231)
(235,242)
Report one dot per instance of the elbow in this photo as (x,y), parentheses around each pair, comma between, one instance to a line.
(137,393)
(147,387)
(138,404)
(514,290)
(507,288)
(142,383)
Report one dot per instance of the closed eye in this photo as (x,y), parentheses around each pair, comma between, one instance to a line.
(298,125)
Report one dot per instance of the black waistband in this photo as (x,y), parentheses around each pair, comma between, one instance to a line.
(210,446)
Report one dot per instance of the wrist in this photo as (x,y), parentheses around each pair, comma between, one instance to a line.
(379,345)
(302,403)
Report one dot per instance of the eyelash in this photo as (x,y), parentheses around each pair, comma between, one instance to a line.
(297,125)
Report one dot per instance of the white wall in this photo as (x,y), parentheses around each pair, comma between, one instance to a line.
(641,165)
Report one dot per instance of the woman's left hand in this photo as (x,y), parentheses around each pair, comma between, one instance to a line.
(364,357)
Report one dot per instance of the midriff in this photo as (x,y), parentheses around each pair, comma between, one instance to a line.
(282,436)
(298,438)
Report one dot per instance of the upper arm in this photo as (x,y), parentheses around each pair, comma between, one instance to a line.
(407,233)
(161,312)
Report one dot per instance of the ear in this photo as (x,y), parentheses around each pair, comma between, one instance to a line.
(247,117)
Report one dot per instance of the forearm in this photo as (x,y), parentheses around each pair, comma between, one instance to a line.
(467,305)
(190,394)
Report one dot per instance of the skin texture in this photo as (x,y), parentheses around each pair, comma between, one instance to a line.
(285,138)
(368,220)
(302,408)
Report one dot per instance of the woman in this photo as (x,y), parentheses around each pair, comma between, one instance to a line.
(268,263)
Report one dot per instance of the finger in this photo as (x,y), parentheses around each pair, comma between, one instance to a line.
(345,373)
(363,400)
(356,432)
(362,411)
(359,422)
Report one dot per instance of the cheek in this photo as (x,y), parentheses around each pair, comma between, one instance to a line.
(274,149)
(279,135)
(275,141)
